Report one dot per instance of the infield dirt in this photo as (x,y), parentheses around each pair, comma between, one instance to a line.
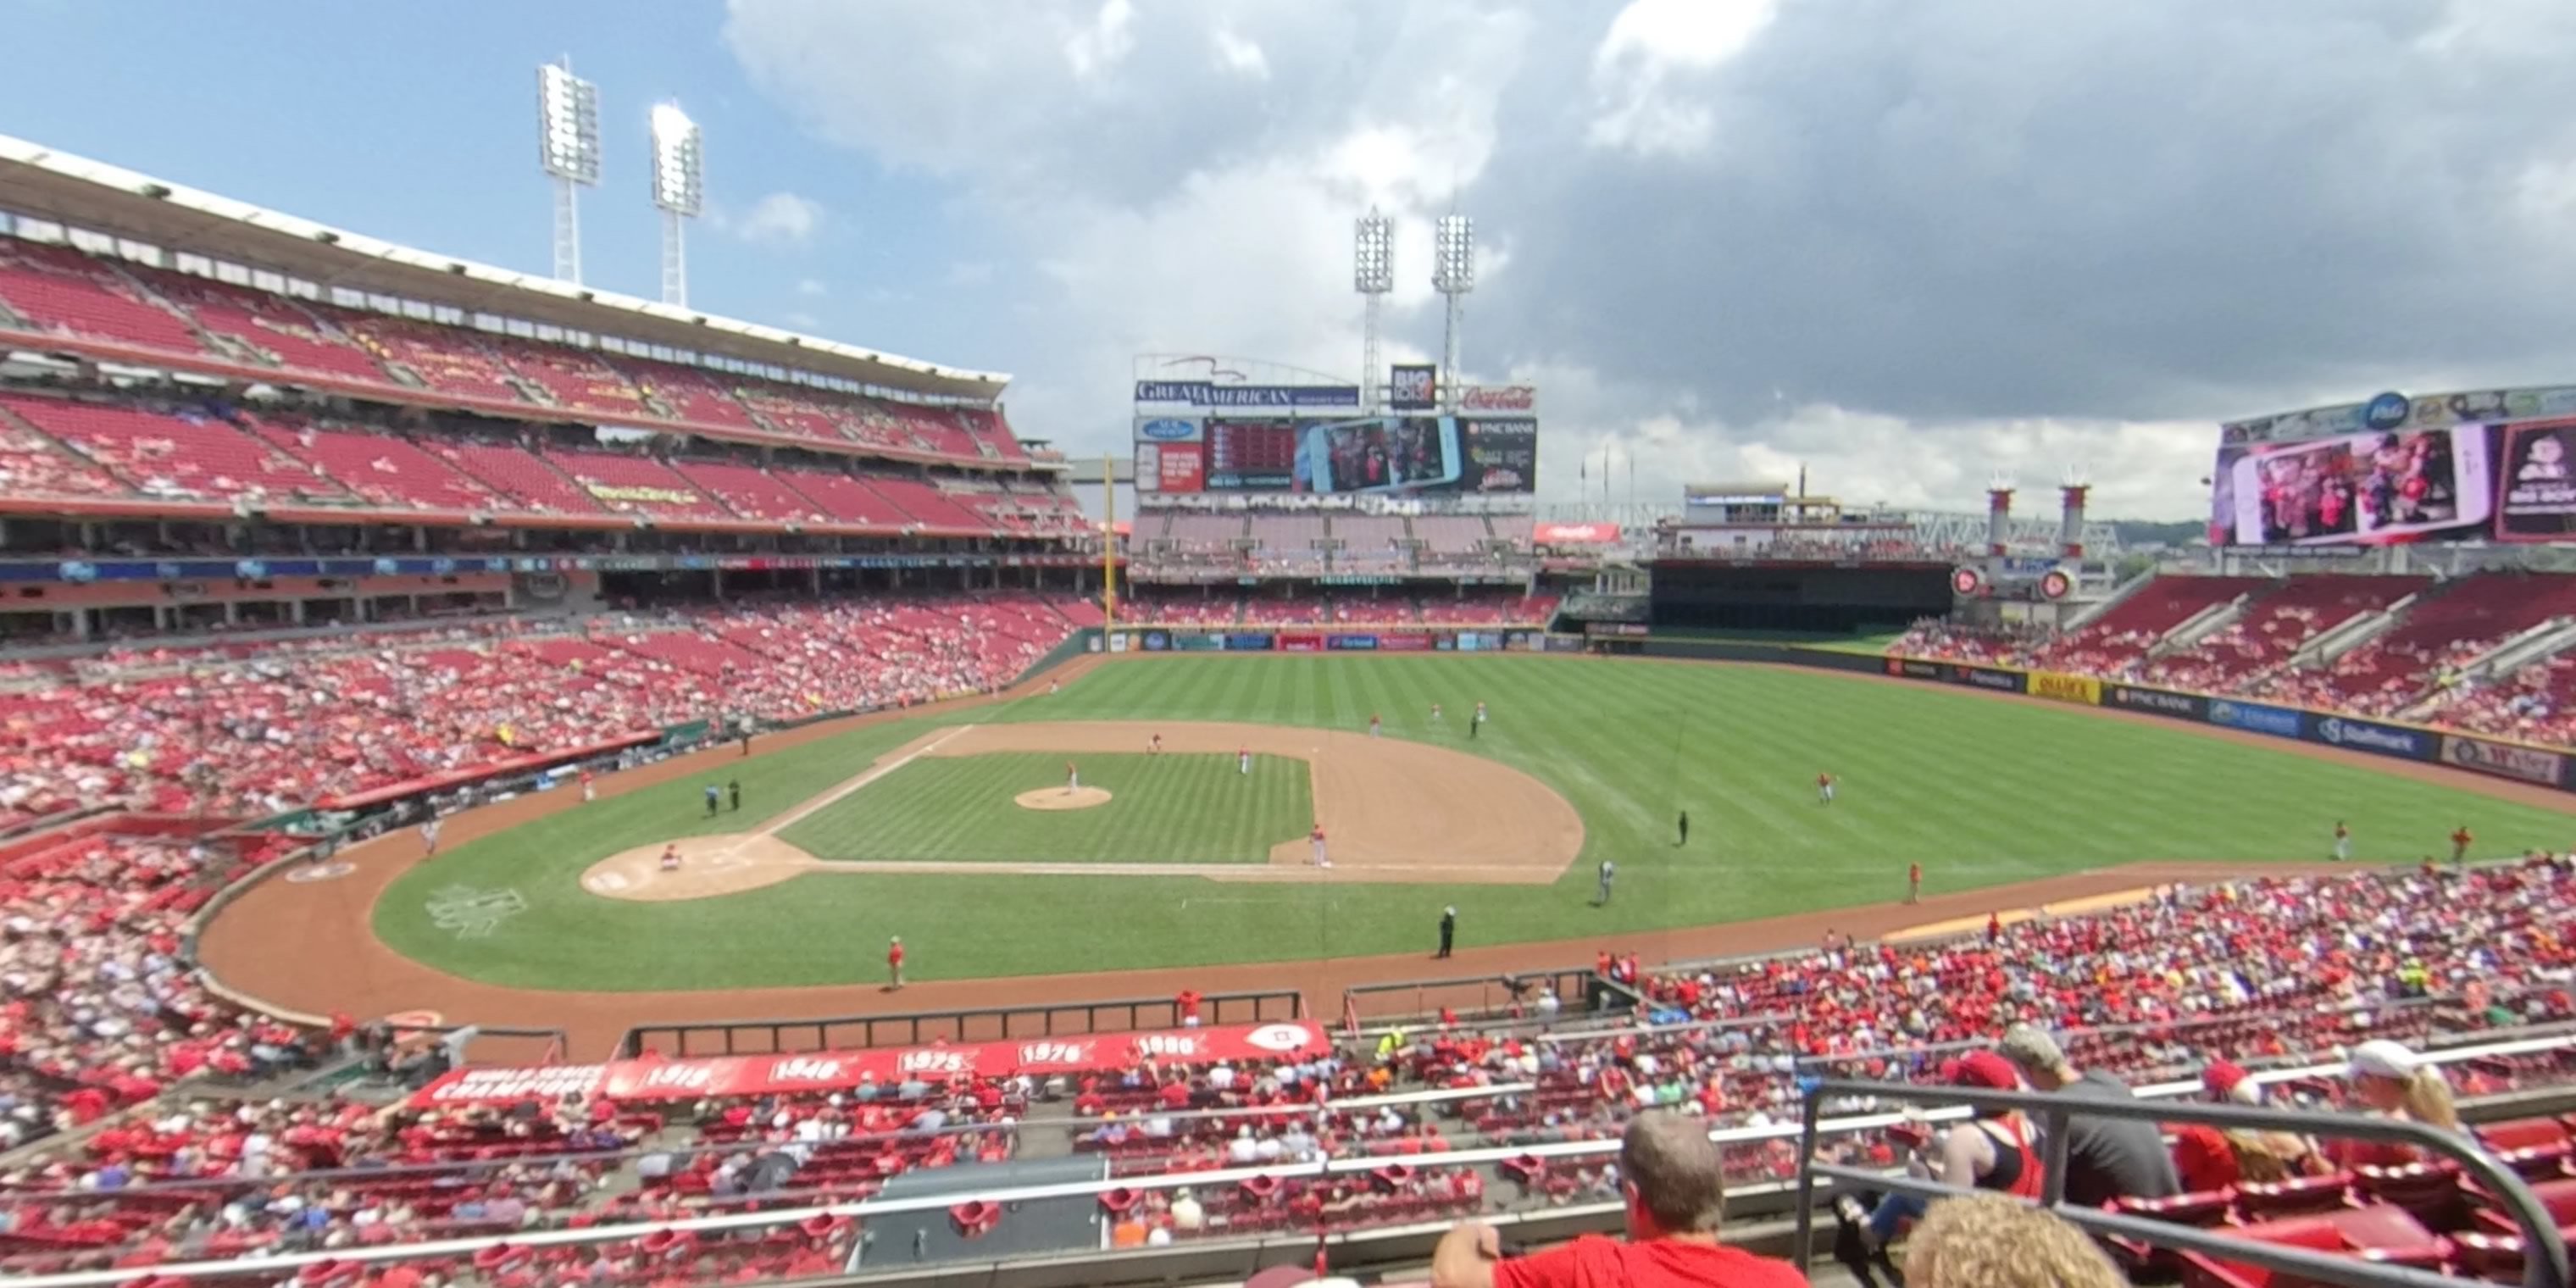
(1391,810)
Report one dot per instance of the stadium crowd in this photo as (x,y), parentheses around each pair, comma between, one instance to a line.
(2244,975)
(257,731)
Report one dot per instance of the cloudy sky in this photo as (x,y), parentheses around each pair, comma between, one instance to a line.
(1909,243)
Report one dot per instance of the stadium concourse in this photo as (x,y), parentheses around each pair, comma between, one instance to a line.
(2490,653)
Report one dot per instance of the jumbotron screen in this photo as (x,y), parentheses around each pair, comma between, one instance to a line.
(2455,468)
(1409,455)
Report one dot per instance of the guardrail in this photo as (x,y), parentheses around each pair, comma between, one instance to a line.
(964,1024)
(2545,1254)
(1470,995)
(1756,1158)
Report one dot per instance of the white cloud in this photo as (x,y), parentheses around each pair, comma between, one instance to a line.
(1096,49)
(2166,214)
(1644,71)
(809,287)
(779,219)
(1241,56)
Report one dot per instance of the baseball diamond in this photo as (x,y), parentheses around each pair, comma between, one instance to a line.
(1983,791)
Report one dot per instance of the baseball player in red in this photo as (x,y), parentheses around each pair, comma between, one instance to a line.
(894,962)
(1913,883)
(671,857)
(1243,760)
(1316,839)
(1373,724)
(587,792)
(1824,789)
(2460,842)
(1155,748)
(2343,842)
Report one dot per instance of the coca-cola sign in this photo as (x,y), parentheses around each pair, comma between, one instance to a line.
(1498,398)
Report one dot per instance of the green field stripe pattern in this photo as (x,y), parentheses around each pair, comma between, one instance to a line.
(1980,791)
(1169,808)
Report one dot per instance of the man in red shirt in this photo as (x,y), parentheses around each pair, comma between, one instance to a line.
(1670,1177)
(894,963)
(1913,883)
(2460,841)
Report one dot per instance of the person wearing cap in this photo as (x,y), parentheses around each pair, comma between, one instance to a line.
(2391,1081)
(1671,1180)
(2208,1158)
(1448,928)
(1993,1150)
(2106,1158)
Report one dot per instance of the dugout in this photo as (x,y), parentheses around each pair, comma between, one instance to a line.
(1698,594)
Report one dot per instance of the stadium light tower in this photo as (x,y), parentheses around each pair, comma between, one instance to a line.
(1373,276)
(568,148)
(1453,274)
(679,191)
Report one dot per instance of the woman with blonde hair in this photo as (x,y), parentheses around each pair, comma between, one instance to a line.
(2391,1081)
(1991,1241)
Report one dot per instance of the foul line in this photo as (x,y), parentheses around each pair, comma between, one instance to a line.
(801,812)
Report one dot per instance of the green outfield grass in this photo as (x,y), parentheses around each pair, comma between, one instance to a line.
(1980,791)
(1168,808)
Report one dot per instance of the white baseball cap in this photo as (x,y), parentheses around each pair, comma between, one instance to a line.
(2381,1058)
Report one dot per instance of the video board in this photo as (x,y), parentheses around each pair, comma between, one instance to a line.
(1410,455)
(2458,467)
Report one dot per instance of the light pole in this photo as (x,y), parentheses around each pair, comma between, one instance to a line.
(1453,274)
(568,149)
(1373,276)
(679,192)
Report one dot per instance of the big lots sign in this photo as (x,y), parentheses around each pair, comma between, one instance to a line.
(824,1071)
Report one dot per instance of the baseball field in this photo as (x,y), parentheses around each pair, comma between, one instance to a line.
(950,828)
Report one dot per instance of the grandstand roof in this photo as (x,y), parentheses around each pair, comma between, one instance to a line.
(92,195)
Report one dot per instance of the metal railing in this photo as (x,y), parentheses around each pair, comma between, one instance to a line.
(1757,1175)
(1469,995)
(963,1024)
(2545,1254)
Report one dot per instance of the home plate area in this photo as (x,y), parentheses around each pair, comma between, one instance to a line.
(1394,811)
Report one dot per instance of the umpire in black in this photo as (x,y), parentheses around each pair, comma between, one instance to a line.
(1448,928)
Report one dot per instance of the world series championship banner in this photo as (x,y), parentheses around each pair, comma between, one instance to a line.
(825,1071)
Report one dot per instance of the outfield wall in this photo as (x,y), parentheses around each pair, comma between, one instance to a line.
(2504,758)
(1326,638)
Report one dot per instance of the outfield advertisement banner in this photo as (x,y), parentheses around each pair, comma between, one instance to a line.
(1248,643)
(1351,643)
(1195,643)
(2505,760)
(1158,641)
(1975,677)
(2379,739)
(2254,717)
(785,1075)
(1301,643)
(2081,689)
(2129,697)
(1403,643)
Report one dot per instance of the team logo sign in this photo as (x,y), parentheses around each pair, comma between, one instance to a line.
(1280,1037)
(469,913)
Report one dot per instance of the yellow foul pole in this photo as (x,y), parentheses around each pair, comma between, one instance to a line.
(1108,544)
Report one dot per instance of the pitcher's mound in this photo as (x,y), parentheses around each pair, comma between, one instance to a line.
(1061,798)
